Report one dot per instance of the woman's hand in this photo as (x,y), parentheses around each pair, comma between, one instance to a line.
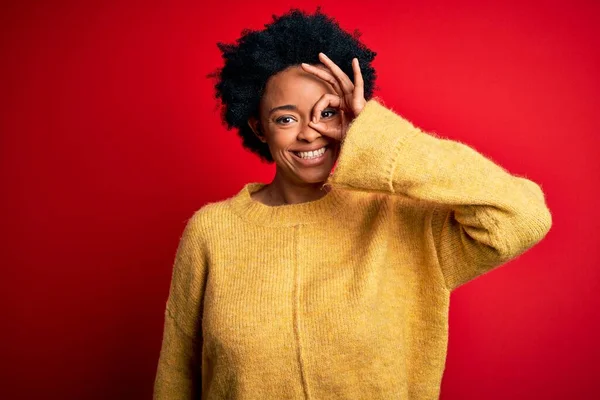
(349,97)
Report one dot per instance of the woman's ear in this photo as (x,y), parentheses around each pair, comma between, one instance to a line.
(254,124)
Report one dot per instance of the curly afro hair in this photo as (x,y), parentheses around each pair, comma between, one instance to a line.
(293,38)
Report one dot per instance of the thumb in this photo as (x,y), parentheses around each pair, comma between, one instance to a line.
(334,132)
(319,126)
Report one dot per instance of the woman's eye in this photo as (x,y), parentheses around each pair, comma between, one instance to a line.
(331,112)
(284,120)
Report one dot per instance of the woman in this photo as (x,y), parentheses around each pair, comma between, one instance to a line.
(325,285)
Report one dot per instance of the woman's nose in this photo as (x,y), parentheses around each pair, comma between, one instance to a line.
(309,134)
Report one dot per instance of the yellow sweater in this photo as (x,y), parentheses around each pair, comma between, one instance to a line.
(344,297)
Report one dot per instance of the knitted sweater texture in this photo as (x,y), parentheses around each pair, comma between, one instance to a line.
(347,296)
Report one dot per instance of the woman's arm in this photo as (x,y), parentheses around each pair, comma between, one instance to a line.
(482,216)
(178,374)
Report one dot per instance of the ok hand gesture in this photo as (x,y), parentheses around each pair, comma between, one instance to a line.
(349,97)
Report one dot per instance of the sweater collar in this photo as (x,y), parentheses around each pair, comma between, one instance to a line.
(287,214)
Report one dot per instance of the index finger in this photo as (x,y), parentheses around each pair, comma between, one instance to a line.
(325,75)
(344,80)
(327,100)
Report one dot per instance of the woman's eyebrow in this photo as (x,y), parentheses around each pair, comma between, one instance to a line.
(289,107)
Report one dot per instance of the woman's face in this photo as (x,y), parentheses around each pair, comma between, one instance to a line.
(285,110)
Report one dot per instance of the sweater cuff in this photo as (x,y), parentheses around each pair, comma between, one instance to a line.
(374,138)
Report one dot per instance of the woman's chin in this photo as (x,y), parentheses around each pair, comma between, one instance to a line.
(315,177)
(316,174)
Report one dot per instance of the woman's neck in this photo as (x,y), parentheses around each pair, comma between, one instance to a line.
(281,191)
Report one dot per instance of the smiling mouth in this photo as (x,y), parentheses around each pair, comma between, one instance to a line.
(307,155)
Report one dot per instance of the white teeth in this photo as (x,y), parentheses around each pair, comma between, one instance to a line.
(311,154)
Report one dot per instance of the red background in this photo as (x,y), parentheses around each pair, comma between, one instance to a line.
(110,139)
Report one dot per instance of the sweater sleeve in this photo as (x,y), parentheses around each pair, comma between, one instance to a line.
(481,215)
(178,375)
